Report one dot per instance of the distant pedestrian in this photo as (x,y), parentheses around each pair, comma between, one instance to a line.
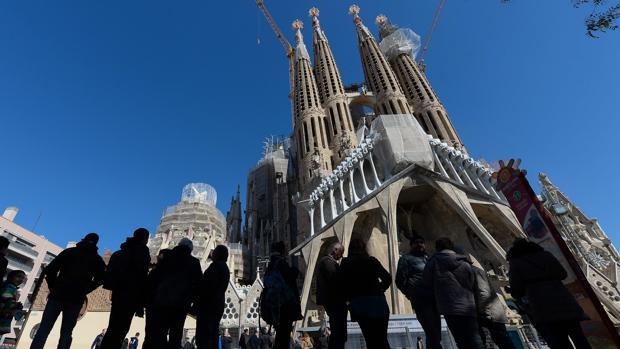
(535,277)
(9,305)
(306,341)
(491,310)
(134,341)
(329,295)
(212,299)
(451,277)
(125,344)
(324,337)
(126,277)
(364,282)
(226,340)
(188,344)
(74,273)
(244,339)
(280,305)
(266,341)
(254,342)
(409,282)
(175,282)
(4,248)
(97,342)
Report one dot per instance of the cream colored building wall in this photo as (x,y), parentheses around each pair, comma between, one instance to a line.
(85,331)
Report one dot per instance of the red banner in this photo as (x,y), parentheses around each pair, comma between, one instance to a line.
(539,228)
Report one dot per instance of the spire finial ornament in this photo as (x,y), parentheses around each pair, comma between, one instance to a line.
(354,10)
(298,24)
(314,13)
(381,19)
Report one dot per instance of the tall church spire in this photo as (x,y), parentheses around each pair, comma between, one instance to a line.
(337,122)
(309,131)
(429,111)
(379,76)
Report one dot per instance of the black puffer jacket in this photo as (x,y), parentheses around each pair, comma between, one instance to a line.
(74,273)
(127,272)
(537,280)
(451,278)
(409,275)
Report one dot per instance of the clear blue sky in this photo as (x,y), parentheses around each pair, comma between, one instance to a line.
(107,108)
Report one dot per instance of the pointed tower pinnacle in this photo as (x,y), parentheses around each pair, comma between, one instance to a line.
(428,110)
(309,132)
(337,123)
(379,75)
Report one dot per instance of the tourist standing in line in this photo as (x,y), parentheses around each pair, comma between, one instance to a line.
(291,311)
(364,282)
(409,282)
(254,342)
(9,305)
(73,274)
(126,277)
(97,342)
(306,341)
(150,292)
(212,299)
(491,310)
(134,341)
(266,342)
(244,339)
(329,295)
(4,248)
(175,282)
(226,340)
(535,277)
(451,277)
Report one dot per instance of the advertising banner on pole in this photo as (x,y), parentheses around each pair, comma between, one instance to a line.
(511,181)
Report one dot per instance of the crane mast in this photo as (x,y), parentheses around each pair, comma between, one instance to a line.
(430,33)
(287,46)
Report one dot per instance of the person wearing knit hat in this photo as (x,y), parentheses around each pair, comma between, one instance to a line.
(71,276)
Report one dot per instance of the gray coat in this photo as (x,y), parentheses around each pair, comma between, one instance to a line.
(452,280)
(489,305)
(537,280)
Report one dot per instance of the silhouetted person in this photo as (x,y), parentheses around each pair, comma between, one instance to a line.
(4,248)
(290,311)
(329,295)
(266,341)
(125,344)
(176,282)
(364,282)
(452,280)
(536,275)
(126,276)
(150,291)
(244,339)
(74,273)
(254,342)
(226,340)
(491,310)
(97,342)
(212,299)
(409,282)
(134,341)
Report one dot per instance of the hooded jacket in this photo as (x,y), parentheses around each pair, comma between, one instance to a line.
(176,282)
(127,272)
(451,278)
(75,272)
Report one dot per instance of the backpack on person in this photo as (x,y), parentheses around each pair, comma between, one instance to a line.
(275,295)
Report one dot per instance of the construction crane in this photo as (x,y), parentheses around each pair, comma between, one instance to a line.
(430,33)
(290,53)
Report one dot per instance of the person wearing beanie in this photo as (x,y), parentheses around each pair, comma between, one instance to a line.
(71,276)
(175,285)
(126,276)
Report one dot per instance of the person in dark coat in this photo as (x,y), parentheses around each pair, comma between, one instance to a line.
(451,277)
(409,282)
(212,299)
(175,283)
(364,281)
(4,248)
(73,274)
(226,340)
(97,342)
(254,342)
(288,313)
(244,339)
(329,296)
(491,310)
(535,277)
(266,341)
(126,277)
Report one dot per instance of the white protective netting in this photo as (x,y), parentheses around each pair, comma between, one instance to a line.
(403,40)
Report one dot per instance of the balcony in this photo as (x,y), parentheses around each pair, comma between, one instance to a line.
(16,265)
(20,248)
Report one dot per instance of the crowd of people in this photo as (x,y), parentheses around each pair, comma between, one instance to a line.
(449,284)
